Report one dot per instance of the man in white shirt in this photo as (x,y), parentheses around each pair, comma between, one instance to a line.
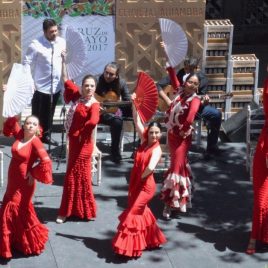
(44,58)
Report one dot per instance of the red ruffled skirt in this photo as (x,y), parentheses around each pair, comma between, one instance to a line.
(136,233)
(78,198)
(20,229)
(176,189)
(260,187)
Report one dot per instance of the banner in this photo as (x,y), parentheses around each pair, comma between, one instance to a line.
(98,32)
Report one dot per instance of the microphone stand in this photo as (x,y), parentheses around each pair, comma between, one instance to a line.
(62,114)
(51,100)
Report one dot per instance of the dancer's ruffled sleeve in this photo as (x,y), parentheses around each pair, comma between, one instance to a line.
(94,117)
(173,78)
(71,92)
(194,106)
(12,128)
(91,122)
(43,170)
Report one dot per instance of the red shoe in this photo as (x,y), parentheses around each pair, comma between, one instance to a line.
(250,251)
(251,247)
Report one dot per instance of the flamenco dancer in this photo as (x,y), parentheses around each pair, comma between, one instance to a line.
(259,230)
(138,229)
(78,198)
(20,229)
(176,189)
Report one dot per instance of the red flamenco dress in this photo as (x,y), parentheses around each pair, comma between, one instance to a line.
(260,179)
(20,228)
(138,229)
(176,189)
(78,198)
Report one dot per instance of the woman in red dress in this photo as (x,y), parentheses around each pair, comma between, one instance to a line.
(78,198)
(138,229)
(176,190)
(20,228)
(260,183)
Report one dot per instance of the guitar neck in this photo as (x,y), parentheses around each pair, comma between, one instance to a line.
(116,103)
(218,96)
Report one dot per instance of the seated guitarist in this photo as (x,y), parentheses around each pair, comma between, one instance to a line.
(111,82)
(211,115)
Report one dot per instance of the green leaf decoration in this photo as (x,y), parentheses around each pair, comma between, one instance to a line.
(68,4)
(57,9)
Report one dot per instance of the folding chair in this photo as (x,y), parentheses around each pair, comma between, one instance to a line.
(96,159)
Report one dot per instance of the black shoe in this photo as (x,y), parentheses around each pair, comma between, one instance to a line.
(214,150)
(207,156)
(116,158)
(49,140)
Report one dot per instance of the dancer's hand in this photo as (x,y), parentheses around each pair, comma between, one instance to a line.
(205,99)
(63,55)
(30,179)
(183,134)
(162,44)
(133,96)
(4,88)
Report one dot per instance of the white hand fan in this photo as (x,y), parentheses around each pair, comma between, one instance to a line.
(19,92)
(176,43)
(76,52)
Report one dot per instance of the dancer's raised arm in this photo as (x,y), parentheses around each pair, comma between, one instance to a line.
(137,120)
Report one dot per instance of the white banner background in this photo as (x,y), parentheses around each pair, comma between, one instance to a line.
(99,36)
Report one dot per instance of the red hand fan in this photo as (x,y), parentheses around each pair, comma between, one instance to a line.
(146,101)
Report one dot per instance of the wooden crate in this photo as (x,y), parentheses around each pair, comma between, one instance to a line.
(243,75)
(218,39)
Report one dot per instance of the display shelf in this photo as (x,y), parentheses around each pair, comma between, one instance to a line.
(243,80)
(218,39)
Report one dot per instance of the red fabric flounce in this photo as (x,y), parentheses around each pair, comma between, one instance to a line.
(9,126)
(12,128)
(21,230)
(176,191)
(78,198)
(71,92)
(43,172)
(260,224)
(136,233)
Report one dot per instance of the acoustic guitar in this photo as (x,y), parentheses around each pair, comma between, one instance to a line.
(110,102)
(171,93)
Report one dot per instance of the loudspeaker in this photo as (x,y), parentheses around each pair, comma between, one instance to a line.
(235,127)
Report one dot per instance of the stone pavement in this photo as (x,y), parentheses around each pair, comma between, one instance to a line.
(214,233)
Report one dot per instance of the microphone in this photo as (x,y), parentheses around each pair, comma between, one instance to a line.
(51,75)
(51,93)
(63,110)
(52,43)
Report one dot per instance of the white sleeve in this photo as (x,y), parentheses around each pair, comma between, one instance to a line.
(30,55)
